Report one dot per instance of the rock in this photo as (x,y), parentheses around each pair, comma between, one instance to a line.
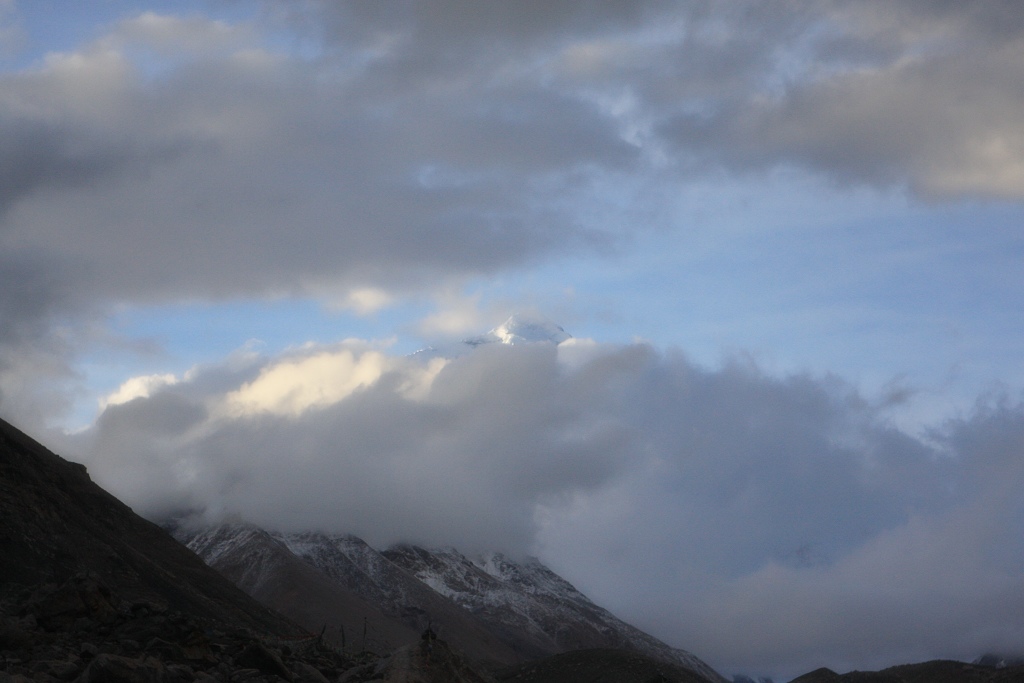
(107,668)
(52,605)
(165,650)
(63,670)
(80,601)
(13,635)
(180,673)
(141,608)
(306,673)
(258,656)
(13,678)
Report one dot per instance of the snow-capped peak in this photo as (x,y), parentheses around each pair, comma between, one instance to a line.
(523,329)
(518,329)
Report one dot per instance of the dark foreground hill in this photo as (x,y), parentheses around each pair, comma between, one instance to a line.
(55,524)
(89,591)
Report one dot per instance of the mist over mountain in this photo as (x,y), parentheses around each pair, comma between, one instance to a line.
(89,591)
(492,608)
(724,494)
(518,329)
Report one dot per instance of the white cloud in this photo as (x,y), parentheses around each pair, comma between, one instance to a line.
(173,36)
(293,386)
(365,300)
(458,315)
(137,387)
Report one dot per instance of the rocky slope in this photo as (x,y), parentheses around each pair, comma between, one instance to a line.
(55,524)
(600,666)
(492,608)
(339,586)
(267,570)
(531,605)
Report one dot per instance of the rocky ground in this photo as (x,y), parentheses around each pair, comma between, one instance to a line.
(83,631)
(599,666)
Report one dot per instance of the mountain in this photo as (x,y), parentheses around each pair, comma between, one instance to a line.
(340,586)
(599,666)
(1000,661)
(267,570)
(518,329)
(531,605)
(56,524)
(492,608)
(938,671)
(90,591)
(522,329)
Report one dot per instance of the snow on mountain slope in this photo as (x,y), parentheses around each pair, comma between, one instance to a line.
(339,582)
(528,599)
(517,329)
(353,563)
(489,606)
(252,550)
(523,329)
(261,565)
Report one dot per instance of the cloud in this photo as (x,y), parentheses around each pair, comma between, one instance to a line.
(428,145)
(184,158)
(883,93)
(293,386)
(771,524)
(336,147)
(238,150)
(358,154)
(137,387)
(366,300)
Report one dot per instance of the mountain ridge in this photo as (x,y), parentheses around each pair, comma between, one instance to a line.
(496,609)
(517,329)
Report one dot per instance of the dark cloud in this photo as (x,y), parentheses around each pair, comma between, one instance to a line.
(365,184)
(39,303)
(912,94)
(440,138)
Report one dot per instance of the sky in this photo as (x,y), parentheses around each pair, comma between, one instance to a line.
(786,239)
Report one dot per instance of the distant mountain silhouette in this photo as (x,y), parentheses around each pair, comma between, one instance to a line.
(938,671)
